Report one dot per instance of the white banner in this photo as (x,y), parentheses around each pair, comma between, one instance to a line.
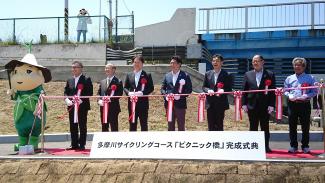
(210,145)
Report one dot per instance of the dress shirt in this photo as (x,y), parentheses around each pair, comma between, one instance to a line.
(137,77)
(76,79)
(216,75)
(175,76)
(259,77)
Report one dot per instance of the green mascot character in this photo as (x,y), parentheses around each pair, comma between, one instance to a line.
(26,79)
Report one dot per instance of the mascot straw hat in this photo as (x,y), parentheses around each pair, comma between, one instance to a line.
(31,60)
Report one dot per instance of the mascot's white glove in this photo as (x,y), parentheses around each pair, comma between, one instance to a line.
(270,109)
(68,102)
(100,103)
(11,91)
(211,92)
(177,97)
(244,107)
(131,93)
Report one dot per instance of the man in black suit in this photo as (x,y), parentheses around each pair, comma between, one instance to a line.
(106,87)
(85,89)
(176,82)
(216,80)
(259,105)
(138,83)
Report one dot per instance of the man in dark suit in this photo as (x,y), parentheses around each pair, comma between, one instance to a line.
(216,80)
(106,87)
(259,105)
(176,82)
(138,83)
(85,89)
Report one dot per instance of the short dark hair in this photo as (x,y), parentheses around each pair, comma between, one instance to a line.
(218,56)
(177,58)
(77,62)
(140,57)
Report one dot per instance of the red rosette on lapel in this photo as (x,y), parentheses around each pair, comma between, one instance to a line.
(220,85)
(143,82)
(267,83)
(304,89)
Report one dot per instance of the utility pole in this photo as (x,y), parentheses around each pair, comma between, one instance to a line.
(66,21)
(116,13)
(100,20)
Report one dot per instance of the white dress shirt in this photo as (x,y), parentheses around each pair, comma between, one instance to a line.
(216,75)
(175,76)
(76,79)
(259,77)
(137,77)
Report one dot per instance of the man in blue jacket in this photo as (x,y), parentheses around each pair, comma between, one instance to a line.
(176,82)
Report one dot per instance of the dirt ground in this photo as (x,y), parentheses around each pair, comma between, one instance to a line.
(157,118)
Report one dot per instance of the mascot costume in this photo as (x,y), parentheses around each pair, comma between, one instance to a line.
(25,81)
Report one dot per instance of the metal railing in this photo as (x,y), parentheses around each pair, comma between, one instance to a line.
(101,29)
(302,15)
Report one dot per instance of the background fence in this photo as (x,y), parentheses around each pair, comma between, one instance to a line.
(19,30)
(260,17)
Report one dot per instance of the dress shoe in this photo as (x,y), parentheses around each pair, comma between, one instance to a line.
(81,148)
(306,150)
(72,148)
(292,150)
(268,150)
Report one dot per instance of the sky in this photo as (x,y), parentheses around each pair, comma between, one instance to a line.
(146,12)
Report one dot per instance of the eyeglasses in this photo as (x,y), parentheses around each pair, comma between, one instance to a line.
(75,67)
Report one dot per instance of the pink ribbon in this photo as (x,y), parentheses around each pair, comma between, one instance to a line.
(170,100)
(106,100)
(278,102)
(133,100)
(238,113)
(76,108)
(201,106)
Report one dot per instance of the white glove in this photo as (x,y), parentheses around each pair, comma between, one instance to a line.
(211,92)
(303,97)
(244,107)
(138,93)
(221,91)
(177,97)
(292,97)
(68,102)
(270,109)
(11,91)
(80,101)
(131,93)
(100,103)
